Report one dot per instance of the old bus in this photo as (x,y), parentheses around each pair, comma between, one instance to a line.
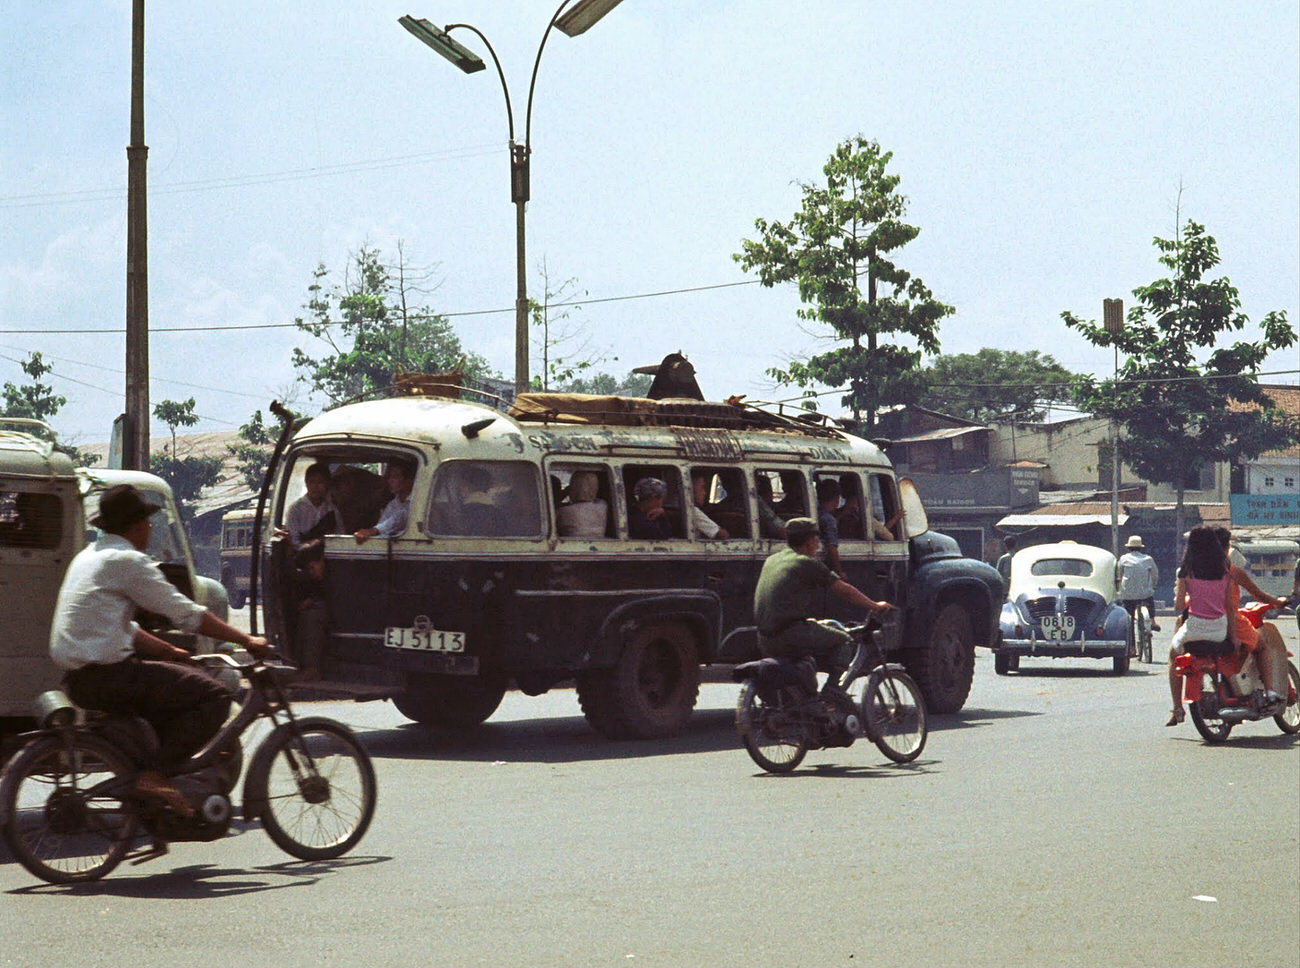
(487,586)
(236,553)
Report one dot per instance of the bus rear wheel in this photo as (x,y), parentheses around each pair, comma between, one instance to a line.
(651,691)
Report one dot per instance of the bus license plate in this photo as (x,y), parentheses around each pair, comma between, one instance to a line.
(1058,628)
(424,639)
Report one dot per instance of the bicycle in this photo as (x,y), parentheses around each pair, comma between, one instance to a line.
(70,812)
(1140,622)
(780,714)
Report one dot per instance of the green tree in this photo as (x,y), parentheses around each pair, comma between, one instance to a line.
(190,474)
(38,401)
(371,331)
(995,385)
(838,248)
(252,453)
(606,384)
(563,343)
(1179,415)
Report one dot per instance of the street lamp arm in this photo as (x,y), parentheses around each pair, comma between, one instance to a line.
(532,82)
(510,115)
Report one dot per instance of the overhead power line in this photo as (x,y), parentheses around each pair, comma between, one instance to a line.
(338,322)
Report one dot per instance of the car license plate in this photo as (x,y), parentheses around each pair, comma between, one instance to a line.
(1058,628)
(424,638)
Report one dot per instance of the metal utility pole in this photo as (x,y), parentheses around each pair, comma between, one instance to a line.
(135,452)
(1113,318)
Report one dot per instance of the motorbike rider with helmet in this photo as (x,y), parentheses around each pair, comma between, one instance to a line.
(786,597)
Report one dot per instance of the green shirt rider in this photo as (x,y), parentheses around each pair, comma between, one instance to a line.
(789,589)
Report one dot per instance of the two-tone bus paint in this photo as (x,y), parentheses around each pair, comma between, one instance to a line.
(489,584)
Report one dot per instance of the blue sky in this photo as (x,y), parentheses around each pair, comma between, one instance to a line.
(1041,148)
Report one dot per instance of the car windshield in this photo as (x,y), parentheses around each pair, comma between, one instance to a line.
(1074,567)
(165,537)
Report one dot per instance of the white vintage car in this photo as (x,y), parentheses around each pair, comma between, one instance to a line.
(1061,603)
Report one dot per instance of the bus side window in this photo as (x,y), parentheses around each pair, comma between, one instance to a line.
(886,513)
(851,513)
(673,503)
(581,496)
(791,495)
(486,499)
(723,499)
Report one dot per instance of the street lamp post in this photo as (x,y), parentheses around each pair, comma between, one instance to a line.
(573,21)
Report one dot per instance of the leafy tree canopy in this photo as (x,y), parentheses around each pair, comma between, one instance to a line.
(370,330)
(1178,414)
(606,384)
(190,474)
(993,385)
(838,248)
(38,401)
(253,451)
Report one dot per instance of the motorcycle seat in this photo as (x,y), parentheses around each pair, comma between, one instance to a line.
(1207,648)
(774,674)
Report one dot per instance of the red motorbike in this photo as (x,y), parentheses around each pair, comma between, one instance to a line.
(1221,690)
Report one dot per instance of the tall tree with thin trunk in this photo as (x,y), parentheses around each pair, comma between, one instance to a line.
(840,248)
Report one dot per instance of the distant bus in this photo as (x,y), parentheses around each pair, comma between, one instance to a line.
(236,553)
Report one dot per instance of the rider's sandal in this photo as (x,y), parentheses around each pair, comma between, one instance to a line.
(1176,716)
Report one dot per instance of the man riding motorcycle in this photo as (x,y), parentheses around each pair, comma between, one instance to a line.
(785,599)
(112,664)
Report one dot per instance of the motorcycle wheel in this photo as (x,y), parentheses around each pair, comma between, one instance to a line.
(893,712)
(1288,720)
(313,786)
(67,820)
(1211,727)
(773,737)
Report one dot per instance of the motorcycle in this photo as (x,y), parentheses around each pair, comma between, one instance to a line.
(781,714)
(70,813)
(1221,690)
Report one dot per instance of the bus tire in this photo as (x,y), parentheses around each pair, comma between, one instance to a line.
(945,667)
(455,701)
(650,692)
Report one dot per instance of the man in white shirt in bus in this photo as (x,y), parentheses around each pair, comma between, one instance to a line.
(313,515)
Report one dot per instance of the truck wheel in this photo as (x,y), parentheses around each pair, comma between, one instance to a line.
(237,599)
(945,667)
(457,701)
(1001,663)
(650,692)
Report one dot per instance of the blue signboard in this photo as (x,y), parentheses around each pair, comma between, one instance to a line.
(1264,510)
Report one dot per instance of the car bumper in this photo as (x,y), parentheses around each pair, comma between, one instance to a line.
(1079,648)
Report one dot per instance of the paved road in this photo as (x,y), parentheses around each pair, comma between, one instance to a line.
(1054,822)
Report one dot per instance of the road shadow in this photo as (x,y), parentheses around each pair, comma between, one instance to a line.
(1276,741)
(970,717)
(566,739)
(1073,672)
(203,881)
(840,771)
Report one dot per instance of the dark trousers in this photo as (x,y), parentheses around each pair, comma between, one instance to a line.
(184,705)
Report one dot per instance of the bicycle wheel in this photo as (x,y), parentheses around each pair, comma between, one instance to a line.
(1143,620)
(773,736)
(67,818)
(313,786)
(894,714)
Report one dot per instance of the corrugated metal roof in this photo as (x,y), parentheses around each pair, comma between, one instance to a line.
(1057,520)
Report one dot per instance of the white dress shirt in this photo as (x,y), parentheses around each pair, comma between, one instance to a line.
(303,516)
(104,585)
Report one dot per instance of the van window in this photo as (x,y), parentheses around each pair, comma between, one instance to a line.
(30,520)
(674,503)
(486,499)
(722,499)
(166,537)
(885,508)
(580,497)
(790,488)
